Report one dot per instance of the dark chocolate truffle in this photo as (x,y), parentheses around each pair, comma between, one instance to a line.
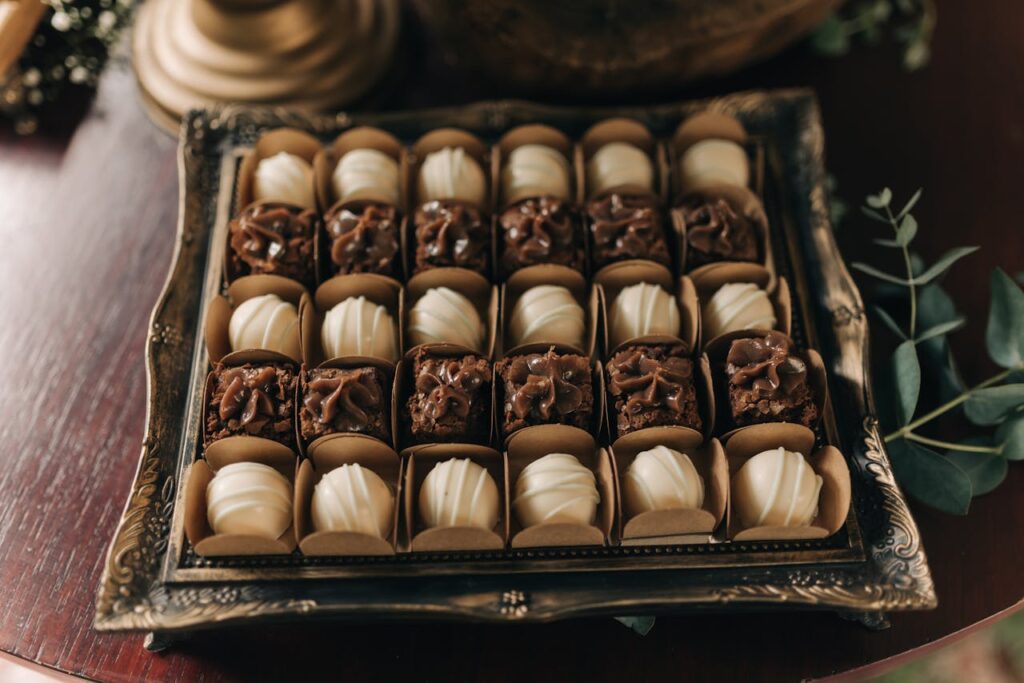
(274,239)
(451,233)
(652,386)
(716,232)
(343,400)
(540,230)
(546,388)
(768,383)
(363,238)
(450,399)
(624,227)
(254,400)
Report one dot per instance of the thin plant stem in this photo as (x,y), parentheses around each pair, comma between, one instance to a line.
(949,405)
(910,436)
(910,275)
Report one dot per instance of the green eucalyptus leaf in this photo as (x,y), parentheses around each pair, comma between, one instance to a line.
(881,275)
(985,470)
(943,264)
(934,306)
(907,371)
(884,316)
(907,230)
(881,11)
(1004,336)
(941,329)
(929,477)
(831,37)
(991,406)
(640,625)
(871,33)
(880,200)
(874,215)
(917,54)
(882,242)
(911,203)
(1010,435)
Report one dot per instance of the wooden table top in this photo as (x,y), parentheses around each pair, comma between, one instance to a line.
(88,228)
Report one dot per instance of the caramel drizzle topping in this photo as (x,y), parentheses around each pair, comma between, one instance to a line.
(651,383)
(766,365)
(367,231)
(447,384)
(449,232)
(539,227)
(247,396)
(713,227)
(343,397)
(547,385)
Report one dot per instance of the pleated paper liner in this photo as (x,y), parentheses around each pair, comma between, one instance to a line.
(419,461)
(531,443)
(827,462)
(673,525)
(329,453)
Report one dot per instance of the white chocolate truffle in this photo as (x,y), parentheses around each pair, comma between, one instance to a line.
(738,306)
(359,327)
(776,488)
(459,492)
(619,164)
(451,173)
(265,322)
(284,178)
(366,174)
(549,314)
(353,498)
(714,162)
(642,310)
(556,489)
(444,315)
(535,171)
(661,479)
(249,498)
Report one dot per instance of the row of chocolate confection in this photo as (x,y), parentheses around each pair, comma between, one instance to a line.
(368,204)
(259,400)
(547,329)
(552,486)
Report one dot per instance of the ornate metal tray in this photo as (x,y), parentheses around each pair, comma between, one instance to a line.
(153,581)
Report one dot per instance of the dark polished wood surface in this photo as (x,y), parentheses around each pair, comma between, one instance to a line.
(88,223)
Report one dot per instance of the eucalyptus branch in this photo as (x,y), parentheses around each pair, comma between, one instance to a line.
(910,272)
(949,405)
(941,473)
(949,445)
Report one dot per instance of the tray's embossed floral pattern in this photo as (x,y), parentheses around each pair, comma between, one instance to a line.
(139,588)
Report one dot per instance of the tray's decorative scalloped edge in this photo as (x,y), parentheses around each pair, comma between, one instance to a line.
(132,596)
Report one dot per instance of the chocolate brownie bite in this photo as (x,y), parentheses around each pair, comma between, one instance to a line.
(652,386)
(344,400)
(768,382)
(715,231)
(252,400)
(451,233)
(540,230)
(546,388)
(274,239)
(362,238)
(624,227)
(450,399)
